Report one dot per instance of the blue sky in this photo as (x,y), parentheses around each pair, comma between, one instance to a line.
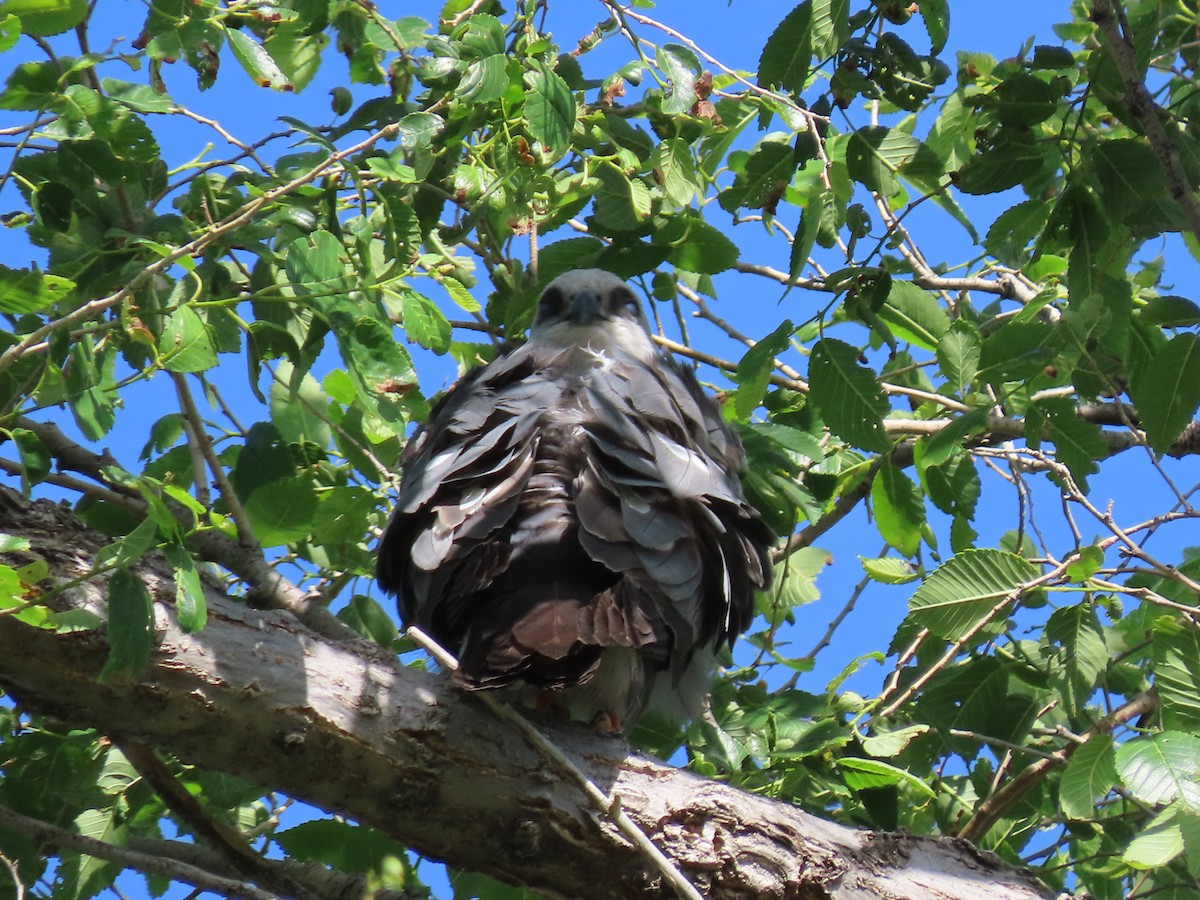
(734,32)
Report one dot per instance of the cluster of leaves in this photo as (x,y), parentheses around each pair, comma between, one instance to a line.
(464,140)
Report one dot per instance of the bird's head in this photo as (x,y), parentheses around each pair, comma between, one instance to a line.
(592,308)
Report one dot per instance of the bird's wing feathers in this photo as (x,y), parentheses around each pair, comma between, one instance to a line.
(561,502)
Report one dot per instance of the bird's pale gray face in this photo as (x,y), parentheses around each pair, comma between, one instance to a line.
(592,308)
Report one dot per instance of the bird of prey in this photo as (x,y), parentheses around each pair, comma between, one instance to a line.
(570,518)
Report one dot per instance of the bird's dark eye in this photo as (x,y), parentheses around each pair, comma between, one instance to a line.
(625,303)
(551,304)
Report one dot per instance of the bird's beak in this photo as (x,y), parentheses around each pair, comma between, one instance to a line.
(584,308)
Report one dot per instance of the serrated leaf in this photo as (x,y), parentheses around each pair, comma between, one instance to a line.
(899,509)
(914,315)
(755,368)
(892,743)
(186,344)
(190,605)
(676,170)
(550,109)
(1162,768)
(461,295)
(1170,311)
(45,18)
(936,16)
(418,129)
(257,61)
(699,247)
(1128,172)
(1084,653)
(424,322)
(485,80)
(786,55)
(999,169)
(344,846)
(130,627)
(958,354)
(282,511)
(1167,391)
(682,66)
(863,774)
(1084,566)
(1090,774)
(849,398)
(964,589)
(368,618)
(26,290)
(889,569)
(622,202)
(830,26)
(1176,654)
(875,156)
(1157,843)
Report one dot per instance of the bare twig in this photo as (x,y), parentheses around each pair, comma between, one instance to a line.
(991,809)
(132,859)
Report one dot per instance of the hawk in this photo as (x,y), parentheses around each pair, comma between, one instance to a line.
(570,517)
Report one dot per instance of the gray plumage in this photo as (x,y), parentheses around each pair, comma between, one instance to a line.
(570,516)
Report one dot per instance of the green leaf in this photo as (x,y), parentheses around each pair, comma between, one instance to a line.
(875,156)
(675,168)
(131,634)
(850,399)
(1076,629)
(1023,100)
(1128,172)
(863,774)
(550,109)
(899,509)
(999,169)
(914,315)
(958,353)
(785,57)
(342,845)
(44,18)
(282,511)
(418,129)
(186,343)
(258,63)
(1162,768)
(889,569)
(696,246)
(1157,843)
(622,202)
(190,605)
(424,322)
(1170,311)
(830,26)
(755,368)
(1084,566)
(485,80)
(368,618)
(461,295)
(1176,653)
(26,290)
(965,589)
(761,178)
(936,15)
(1167,391)
(1090,774)
(314,259)
(682,66)
(892,743)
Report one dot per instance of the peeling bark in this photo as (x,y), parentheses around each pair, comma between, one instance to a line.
(348,729)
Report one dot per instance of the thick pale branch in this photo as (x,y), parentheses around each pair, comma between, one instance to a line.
(349,730)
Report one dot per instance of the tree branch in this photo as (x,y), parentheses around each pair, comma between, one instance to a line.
(258,694)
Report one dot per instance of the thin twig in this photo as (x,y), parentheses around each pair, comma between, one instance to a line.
(608,806)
